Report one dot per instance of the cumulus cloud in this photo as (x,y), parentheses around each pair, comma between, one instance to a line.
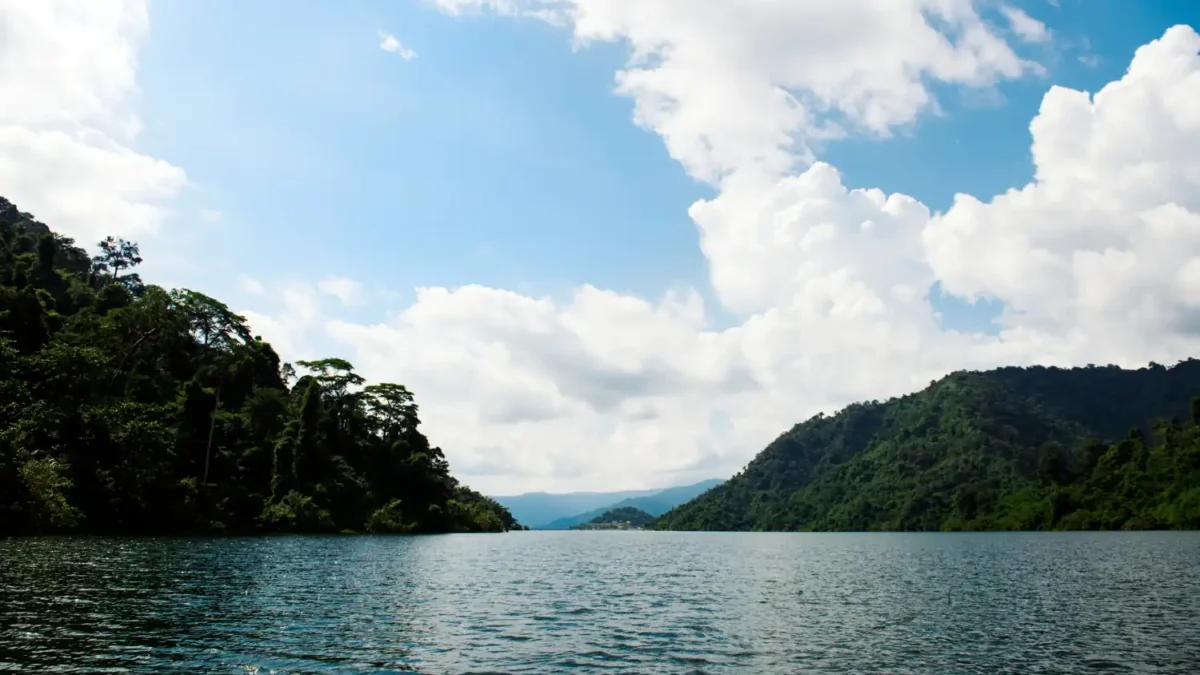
(68,77)
(738,86)
(1105,240)
(1096,260)
(389,43)
(526,392)
(608,389)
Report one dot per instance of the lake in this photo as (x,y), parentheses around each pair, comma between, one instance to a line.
(623,602)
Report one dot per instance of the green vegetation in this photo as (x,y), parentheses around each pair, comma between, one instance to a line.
(625,517)
(1010,449)
(128,408)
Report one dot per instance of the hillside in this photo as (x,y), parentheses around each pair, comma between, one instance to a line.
(655,504)
(622,518)
(129,408)
(1004,449)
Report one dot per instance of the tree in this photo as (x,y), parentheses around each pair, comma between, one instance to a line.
(116,255)
(1012,448)
(392,408)
(1051,463)
(133,409)
(211,321)
(336,376)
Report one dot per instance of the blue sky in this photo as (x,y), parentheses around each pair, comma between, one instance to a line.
(500,155)
(497,156)
(634,277)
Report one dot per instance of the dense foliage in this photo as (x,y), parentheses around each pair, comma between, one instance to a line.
(125,407)
(1015,448)
(624,514)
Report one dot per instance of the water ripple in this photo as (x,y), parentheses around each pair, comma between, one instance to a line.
(620,602)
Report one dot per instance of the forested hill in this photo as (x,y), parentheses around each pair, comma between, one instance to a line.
(621,518)
(128,408)
(1014,448)
(625,514)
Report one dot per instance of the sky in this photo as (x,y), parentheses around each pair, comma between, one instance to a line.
(621,244)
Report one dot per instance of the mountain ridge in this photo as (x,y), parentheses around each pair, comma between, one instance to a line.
(655,504)
(1011,448)
(546,510)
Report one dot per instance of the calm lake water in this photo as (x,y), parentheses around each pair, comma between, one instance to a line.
(628,602)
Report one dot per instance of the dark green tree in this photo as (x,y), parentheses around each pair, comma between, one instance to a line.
(1014,448)
(129,408)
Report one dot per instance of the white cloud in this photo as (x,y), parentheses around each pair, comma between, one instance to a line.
(291,325)
(68,77)
(1097,260)
(348,291)
(608,389)
(389,43)
(542,394)
(750,86)
(251,286)
(1026,27)
(1105,238)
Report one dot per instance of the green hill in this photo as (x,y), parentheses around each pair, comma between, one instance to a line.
(625,516)
(1014,448)
(130,408)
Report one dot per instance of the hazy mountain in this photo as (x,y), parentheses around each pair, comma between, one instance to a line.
(537,508)
(543,510)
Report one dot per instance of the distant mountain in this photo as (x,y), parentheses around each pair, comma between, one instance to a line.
(656,504)
(546,511)
(534,508)
(1009,449)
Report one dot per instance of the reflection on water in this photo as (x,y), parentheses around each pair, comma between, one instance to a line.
(605,602)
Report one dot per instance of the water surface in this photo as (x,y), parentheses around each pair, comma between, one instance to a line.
(622,602)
